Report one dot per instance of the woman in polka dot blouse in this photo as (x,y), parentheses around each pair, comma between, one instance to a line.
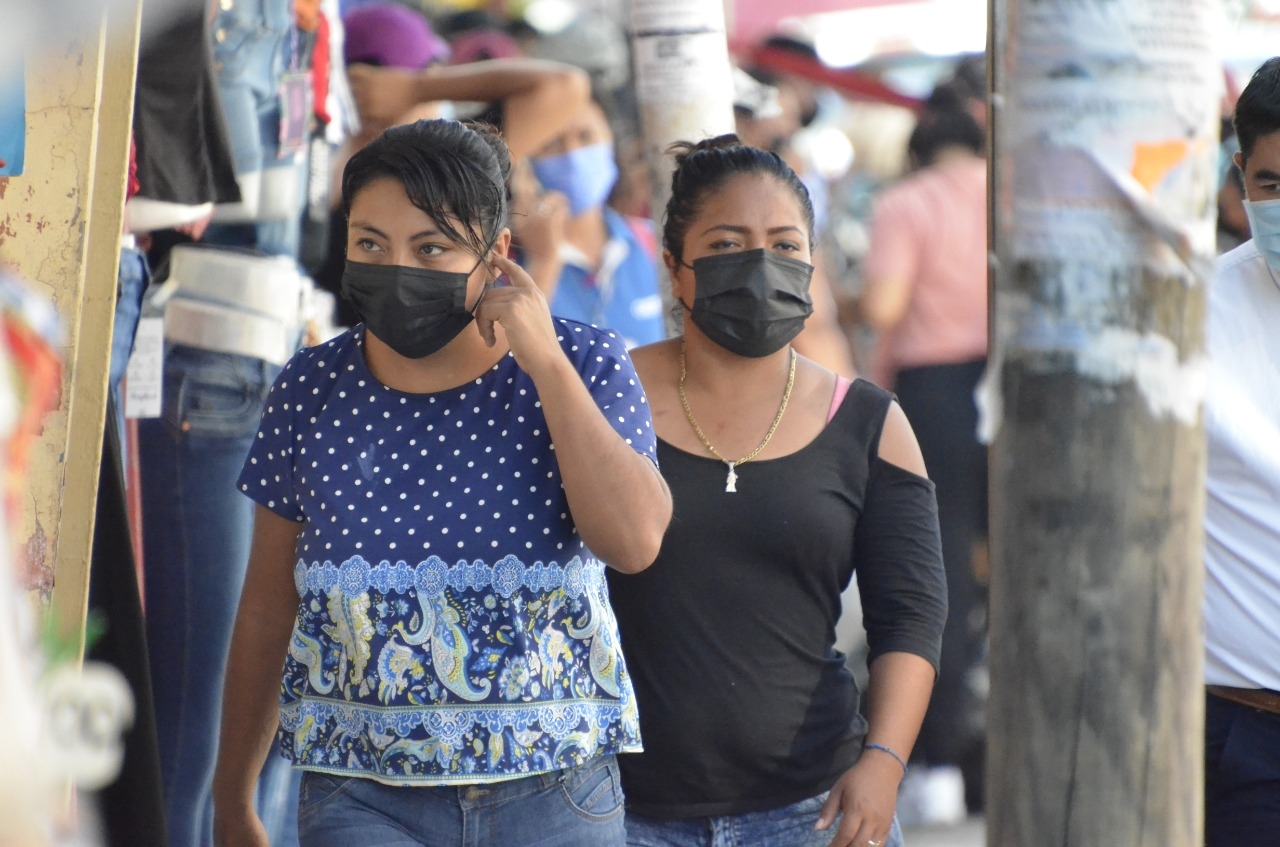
(439,490)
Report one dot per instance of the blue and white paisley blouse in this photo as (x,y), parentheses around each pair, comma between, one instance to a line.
(452,627)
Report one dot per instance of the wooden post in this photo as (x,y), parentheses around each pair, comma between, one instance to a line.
(1106,119)
(685,89)
(61,230)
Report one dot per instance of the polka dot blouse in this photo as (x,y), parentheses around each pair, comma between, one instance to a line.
(452,626)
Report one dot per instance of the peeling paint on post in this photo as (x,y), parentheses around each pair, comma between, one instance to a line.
(1107,156)
(79,108)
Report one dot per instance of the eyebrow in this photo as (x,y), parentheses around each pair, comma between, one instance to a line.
(1267,175)
(744,230)
(426,233)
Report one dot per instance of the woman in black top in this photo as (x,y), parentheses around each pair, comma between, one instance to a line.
(787,481)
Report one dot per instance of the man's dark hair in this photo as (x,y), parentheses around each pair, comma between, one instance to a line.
(1258,109)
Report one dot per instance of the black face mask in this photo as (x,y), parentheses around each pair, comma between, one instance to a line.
(414,311)
(751,303)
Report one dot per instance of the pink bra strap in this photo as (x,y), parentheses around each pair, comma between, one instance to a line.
(842,388)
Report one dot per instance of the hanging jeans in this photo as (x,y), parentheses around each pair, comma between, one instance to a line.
(132,277)
(197,529)
(252,50)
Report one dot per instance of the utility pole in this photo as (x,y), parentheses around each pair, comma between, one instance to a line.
(1107,117)
(684,85)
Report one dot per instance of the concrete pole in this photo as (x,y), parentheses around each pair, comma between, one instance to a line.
(61,222)
(1106,145)
(684,85)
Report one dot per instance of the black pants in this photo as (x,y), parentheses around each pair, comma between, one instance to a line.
(938,400)
(1241,775)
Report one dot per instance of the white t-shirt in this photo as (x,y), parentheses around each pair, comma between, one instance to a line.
(1242,510)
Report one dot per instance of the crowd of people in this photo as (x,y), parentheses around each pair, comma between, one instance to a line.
(495,556)
(455,532)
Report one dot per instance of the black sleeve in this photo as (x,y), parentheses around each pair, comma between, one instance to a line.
(898,563)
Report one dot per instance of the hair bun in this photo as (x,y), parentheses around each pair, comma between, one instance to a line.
(683,150)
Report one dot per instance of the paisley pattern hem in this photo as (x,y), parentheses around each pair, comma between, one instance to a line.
(435,672)
(439,746)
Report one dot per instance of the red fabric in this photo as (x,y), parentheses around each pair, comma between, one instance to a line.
(134,186)
(849,82)
(320,62)
(36,373)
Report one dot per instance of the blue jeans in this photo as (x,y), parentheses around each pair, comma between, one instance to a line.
(251,52)
(577,807)
(132,277)
(790,826)
(197,528)
(1241,775)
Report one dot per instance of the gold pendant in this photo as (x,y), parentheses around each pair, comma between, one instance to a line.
(731,482)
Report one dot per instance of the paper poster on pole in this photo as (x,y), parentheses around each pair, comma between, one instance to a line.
(1115,118)
(683,68)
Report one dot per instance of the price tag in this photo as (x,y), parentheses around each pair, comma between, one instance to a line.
(295,113)
(144,377)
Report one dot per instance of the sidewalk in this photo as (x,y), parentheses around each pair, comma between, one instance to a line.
(970,833)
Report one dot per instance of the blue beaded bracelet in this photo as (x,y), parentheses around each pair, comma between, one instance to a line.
(873,746)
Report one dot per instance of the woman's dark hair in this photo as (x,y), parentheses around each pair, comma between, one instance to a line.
(454,172)
(1258,109)
(703,167)
(938,130)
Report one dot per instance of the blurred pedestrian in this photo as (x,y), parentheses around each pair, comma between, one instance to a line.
(608,275)
(1242,512)
(925,291)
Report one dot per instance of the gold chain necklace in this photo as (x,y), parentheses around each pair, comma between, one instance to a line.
(731,482)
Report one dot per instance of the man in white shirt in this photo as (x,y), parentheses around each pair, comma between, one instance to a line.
(1242,516)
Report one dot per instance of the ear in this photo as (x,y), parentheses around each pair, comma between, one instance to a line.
(1238,158)
(502,245)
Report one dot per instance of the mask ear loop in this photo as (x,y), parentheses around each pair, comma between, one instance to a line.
(681,303)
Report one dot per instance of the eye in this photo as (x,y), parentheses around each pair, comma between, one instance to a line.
(431,249)
(723,244)
(368,244)
(787,246)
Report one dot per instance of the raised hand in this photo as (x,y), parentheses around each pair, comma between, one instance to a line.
(521,310)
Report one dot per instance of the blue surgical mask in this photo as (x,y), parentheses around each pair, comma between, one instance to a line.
(1264,224)
(585,175)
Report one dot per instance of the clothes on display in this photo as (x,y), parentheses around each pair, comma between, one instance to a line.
(231,318)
